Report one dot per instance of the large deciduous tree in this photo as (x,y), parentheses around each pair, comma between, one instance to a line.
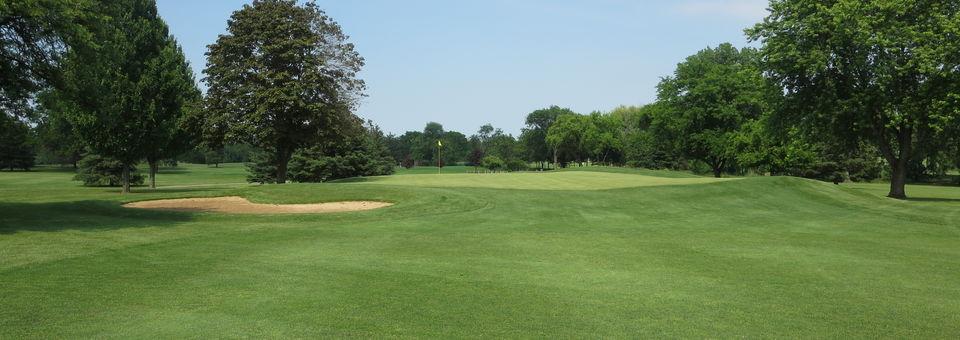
(710,96)
(884,71)
(34,36)
(169,89)
(105,84)
(281,78)
(534,136)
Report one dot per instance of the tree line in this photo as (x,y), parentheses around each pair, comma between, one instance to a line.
(103,85)
(836,90)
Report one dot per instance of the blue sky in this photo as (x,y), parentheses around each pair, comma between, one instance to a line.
(468,63)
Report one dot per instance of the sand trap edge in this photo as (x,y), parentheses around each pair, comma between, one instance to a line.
(240,205)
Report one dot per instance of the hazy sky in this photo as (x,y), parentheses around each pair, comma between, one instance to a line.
(467,63)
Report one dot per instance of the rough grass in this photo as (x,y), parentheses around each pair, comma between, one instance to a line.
(755,257)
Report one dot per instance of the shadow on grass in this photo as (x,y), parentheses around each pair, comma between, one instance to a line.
(81,216)
(933,199)
(351,180)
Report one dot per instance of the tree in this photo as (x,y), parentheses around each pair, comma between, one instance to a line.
(455,147)
(214,157)
(104,85)
(607,144)
(534,136)
(283,77)
(711,95)
(34,36)
(427,148)
(98,171)
(168,87)
(882,71)
(16,151)
(57,142)
(363,154)
(571,138)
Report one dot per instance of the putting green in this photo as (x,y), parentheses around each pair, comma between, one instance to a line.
(564,180)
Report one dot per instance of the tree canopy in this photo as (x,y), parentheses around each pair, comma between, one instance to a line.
(283,77)
(883,71)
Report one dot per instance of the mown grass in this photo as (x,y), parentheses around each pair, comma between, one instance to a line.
(754,257)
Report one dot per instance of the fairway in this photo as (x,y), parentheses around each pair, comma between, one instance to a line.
(564,180)
(755,257)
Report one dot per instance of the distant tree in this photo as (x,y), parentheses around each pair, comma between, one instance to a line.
(534,136)
(16,151)
(710,96)
(607,141)
(105,85)
(57,142)
(493,163)
(432,132)
(571,138)
(476,157)
(281,78)
(456,147)
(411,147)
(881,71)
(503,146)
(98,171)
(214,157)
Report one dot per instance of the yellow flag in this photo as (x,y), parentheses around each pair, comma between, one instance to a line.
(438,143)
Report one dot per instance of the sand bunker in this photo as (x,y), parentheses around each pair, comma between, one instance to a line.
(240,205)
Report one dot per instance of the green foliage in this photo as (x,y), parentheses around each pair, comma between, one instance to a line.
(281,78)
(214,157)
(710,97)
(113,94)
(262,168)
(493,163)
(57,142)
(34,36)
(100,171)
(882,71)
(363,155)
(534,136)
(16,150)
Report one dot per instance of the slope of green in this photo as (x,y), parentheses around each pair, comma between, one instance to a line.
(558,180)
(756,257)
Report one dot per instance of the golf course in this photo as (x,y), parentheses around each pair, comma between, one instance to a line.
(579,253)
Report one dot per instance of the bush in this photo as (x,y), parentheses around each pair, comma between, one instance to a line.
(99,171)
(493,163)
(825,171)
(516,165)
(311,165)
(261,168)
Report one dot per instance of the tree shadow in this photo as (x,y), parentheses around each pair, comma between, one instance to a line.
(352,180)
(933,199)
(82,216)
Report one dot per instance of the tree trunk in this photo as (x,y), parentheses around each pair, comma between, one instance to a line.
(283,158)
(717,172)
(898,160)
(154,166)
(125,179)
(898,180)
